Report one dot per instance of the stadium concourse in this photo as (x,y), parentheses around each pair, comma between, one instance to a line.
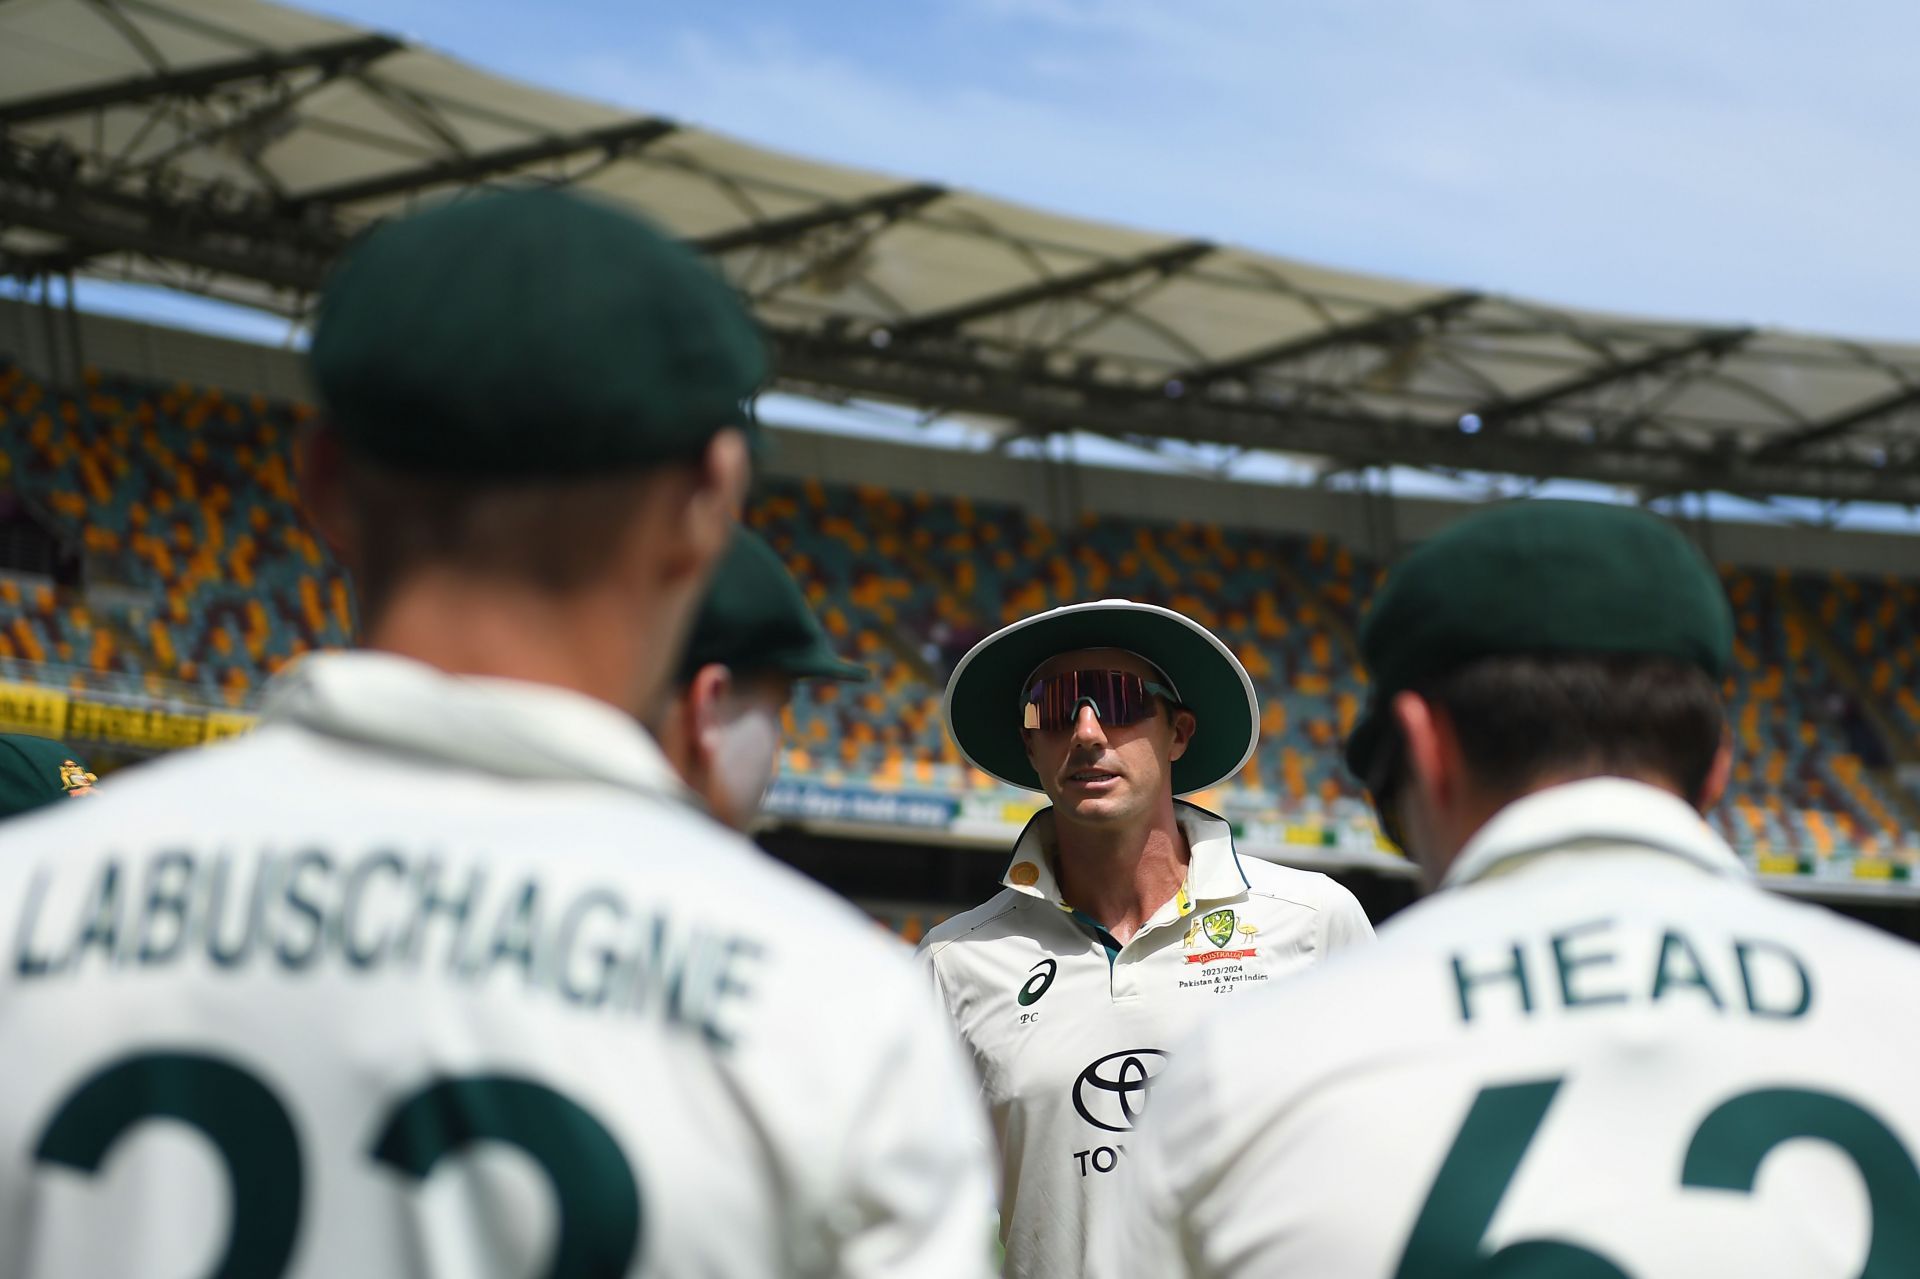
(154,570)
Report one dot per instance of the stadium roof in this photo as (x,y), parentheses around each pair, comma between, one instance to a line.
(232,147)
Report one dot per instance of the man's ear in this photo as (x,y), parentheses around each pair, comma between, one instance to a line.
(1718,774)
(1185,725)
(319,467)
(722,472)
(1431,749)
(706,696)
(691,511)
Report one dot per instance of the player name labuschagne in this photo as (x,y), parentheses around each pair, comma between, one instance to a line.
(382,912)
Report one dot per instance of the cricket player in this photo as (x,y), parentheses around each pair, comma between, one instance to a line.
(1600,1050)
(36,771)
(753,640)
(1126,914)
(440,971)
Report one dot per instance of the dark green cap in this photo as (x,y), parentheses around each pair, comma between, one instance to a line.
(36,771)
(1538,577)
(531,334)
(754,621)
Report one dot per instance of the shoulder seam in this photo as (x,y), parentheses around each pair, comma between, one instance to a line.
(1001,913)
(1291,901)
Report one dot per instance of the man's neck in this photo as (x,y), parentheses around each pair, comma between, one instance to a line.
(1480,807)
(1120,876)
(586,642)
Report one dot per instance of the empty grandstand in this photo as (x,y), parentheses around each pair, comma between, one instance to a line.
(158,568)
(154,567)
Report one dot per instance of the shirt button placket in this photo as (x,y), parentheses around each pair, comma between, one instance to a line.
(1124,985)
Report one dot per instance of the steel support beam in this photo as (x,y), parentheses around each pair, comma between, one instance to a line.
(1385,329)
(34,266)
(94,218)
(616,140)
(251,240)
(1057,403)
(1715,343)
(1163,261)
(889,205)
(333,58)
(1793,443)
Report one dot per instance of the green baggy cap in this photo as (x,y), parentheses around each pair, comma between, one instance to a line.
(530,334)
(36,771)
(1538,577)
(983,701)
(754,620)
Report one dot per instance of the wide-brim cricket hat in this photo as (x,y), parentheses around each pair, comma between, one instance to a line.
(982,705)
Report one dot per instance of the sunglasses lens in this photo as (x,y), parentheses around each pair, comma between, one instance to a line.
(1117,698)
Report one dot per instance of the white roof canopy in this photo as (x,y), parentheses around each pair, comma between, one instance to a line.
(232,147)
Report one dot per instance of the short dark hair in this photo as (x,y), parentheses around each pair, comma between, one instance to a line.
(555,535)
(1521,718)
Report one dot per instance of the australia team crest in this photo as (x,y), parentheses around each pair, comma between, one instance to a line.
(1219,928)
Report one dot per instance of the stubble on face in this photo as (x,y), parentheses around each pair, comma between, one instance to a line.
(1103,774)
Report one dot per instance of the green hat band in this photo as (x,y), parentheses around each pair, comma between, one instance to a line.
(983,696)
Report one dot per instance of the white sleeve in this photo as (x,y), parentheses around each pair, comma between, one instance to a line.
(923,960)
(918,1192)
(1345,923)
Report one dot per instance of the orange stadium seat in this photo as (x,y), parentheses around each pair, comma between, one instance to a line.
(184,497)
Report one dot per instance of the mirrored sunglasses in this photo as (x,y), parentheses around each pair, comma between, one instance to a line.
(1117,697)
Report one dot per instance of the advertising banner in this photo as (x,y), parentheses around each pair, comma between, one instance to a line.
(106,720)
(816,801)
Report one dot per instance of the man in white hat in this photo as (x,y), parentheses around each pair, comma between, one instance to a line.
(1126,913)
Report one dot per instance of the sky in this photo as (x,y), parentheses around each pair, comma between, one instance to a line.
(1742,161)
(1720,161)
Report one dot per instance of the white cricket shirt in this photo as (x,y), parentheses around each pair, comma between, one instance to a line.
(1602,1051)
(1068,1028)
(440,976)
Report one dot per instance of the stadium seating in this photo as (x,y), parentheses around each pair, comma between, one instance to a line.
(1788,736)
(201,579)
(907,582)
(181,501)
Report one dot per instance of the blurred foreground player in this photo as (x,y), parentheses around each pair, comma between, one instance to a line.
(439,971)
(753,639)
(1126,915)
(1601,1050)
(36,771)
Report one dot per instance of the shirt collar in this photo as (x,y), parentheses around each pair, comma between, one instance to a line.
(509,727)
(1213,874)
(1607,810)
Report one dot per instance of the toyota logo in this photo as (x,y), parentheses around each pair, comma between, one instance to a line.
(1112,1092)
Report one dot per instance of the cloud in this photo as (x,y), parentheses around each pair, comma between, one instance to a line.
(1718,160)
(1740,160)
